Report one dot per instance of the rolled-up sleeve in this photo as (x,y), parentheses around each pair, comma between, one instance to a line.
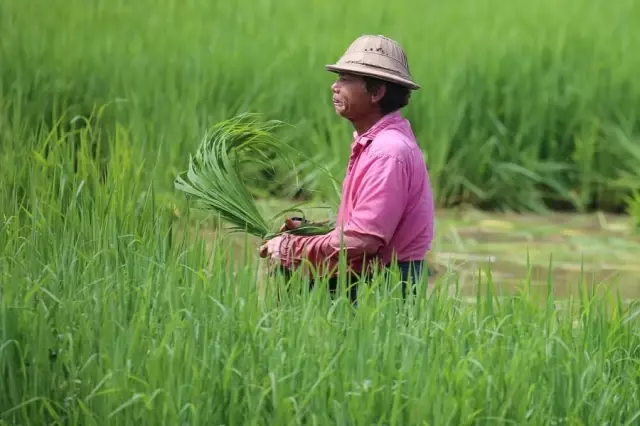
(381,197)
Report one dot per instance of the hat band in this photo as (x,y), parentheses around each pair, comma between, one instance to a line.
(377,67)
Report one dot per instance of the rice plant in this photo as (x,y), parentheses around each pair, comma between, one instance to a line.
(521,105)
(110,314)
(215,179)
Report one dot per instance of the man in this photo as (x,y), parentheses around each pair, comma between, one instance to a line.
(386,211)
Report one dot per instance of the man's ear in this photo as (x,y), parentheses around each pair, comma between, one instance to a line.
(381,90)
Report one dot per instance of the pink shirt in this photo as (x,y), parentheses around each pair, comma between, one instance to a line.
(386,207)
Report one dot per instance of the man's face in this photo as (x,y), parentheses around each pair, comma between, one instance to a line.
(351,99)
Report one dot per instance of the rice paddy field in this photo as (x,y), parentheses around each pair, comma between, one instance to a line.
(120,304)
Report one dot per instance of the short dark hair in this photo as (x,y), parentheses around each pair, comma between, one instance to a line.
(395,98)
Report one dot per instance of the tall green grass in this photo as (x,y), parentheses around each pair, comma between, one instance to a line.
(109,316)
(523,105)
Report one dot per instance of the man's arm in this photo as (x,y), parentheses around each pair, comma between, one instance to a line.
(378,208)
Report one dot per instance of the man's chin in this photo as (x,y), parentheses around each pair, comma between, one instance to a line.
(340,111)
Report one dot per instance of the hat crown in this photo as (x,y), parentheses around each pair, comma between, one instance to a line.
(372,46)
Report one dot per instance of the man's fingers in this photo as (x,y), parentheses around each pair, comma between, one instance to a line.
(264,250)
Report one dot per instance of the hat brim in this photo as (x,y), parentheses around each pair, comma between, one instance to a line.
(369,71)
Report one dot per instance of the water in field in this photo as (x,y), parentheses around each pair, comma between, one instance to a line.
(594,249)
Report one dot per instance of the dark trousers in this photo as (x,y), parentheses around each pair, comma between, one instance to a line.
(411,271)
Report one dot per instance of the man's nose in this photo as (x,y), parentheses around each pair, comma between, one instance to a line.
(334,87)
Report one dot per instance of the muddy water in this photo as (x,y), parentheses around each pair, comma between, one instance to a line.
(594,250)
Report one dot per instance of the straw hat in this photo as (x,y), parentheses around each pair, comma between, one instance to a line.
(376,56)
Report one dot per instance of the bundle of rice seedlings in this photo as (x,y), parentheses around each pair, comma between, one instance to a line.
(215,181)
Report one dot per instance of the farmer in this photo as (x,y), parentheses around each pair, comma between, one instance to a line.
(386,210)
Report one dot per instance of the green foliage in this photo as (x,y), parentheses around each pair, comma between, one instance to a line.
(102,320)
(214,175)
(522,106)
(633,209)
(110,314)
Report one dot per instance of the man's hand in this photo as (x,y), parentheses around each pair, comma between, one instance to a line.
(271,249)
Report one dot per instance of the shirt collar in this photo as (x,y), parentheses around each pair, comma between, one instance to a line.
(368,136)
